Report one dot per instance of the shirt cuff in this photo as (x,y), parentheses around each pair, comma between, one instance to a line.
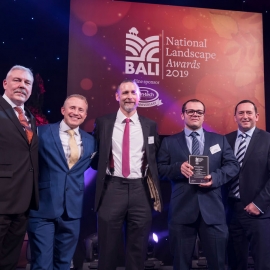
(258,208)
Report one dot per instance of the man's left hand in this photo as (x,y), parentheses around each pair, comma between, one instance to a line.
(209,183)
(252,209)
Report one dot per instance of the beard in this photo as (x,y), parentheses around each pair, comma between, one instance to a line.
(128,108)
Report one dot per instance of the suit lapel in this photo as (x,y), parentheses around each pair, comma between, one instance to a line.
(251,146)
(108,132)
(146,132)
(231,139)
(11,114)
(207,143)
(86,145)
(56,137)
(183,144)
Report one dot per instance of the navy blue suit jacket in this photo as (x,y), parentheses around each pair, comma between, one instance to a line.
(59,186)
(187,200)
(254,176)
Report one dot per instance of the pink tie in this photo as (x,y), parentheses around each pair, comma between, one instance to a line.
(125,150)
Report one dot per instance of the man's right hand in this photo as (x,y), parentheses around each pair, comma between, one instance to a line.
(186,169)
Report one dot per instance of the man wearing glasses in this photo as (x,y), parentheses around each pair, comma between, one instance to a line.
(196,209)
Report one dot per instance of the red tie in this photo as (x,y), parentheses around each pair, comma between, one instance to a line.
(125,150)
(24,123)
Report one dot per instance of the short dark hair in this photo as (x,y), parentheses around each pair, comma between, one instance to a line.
(192,100)
(245,101)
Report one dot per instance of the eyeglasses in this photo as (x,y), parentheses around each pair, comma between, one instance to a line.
(192,112)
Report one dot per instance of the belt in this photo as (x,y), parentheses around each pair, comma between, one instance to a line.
(123,180)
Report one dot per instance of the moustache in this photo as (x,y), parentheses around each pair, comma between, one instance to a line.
(20,91)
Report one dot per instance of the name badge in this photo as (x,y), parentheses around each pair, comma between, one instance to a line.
(151,140)
(215,148)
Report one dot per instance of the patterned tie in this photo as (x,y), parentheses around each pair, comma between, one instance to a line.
(74,150)
(24,123)
(240,156)
(195,143)
(125,150)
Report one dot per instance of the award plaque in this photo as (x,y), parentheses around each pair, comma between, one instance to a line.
(201,169)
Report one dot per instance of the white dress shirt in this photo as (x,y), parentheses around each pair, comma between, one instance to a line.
(64,137)
(137,149)
(13,105)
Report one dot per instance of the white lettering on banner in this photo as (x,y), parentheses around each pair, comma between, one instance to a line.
(143,59)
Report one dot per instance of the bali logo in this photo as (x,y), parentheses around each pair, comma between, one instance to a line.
(149,97)
(141,57)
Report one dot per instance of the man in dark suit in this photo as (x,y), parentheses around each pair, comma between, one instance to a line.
(249,192)
(18,165)
(127,145)
(196,208)
(65,152)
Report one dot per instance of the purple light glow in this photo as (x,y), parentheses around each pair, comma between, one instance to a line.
(89,176)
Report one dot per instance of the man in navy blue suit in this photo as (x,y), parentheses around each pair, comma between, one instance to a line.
(249,193)
(65,152)
(196,209)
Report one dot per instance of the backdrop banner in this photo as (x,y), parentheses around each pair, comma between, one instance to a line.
(173,53)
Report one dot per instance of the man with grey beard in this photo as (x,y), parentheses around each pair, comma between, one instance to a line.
(127,145)
(18,164)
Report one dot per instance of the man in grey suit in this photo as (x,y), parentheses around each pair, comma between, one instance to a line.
(249,192)
(196,209)
(127,145)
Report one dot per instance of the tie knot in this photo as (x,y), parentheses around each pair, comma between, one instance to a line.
(127,120)
(194,134)
(71,132)
(243,135)
(19,110)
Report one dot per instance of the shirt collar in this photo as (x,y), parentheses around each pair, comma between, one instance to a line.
(249,132)
(188,131)
(120,117)
(12,104)
(64,127)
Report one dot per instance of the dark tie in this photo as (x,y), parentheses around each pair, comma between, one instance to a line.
(74,150)
(240,156)
(24,123)
(195,143)
(125,150)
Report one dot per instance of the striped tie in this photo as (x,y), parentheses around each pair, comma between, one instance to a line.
(195,143)
(240,156)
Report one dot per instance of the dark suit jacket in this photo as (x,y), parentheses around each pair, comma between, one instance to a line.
(60,187)
(187,200)
(254,176)
(103,133)
(18,163)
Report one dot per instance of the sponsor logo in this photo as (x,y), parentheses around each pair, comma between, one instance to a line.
(141,55)
(149,97)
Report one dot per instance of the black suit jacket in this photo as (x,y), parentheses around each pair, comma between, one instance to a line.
(103,133)
(254,176)
(18,163)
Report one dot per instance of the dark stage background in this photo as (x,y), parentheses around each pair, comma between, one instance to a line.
(34,33)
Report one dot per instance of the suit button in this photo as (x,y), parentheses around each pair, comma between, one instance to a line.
(31,170)
(67,189)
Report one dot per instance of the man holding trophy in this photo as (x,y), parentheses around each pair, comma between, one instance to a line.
(197,163)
